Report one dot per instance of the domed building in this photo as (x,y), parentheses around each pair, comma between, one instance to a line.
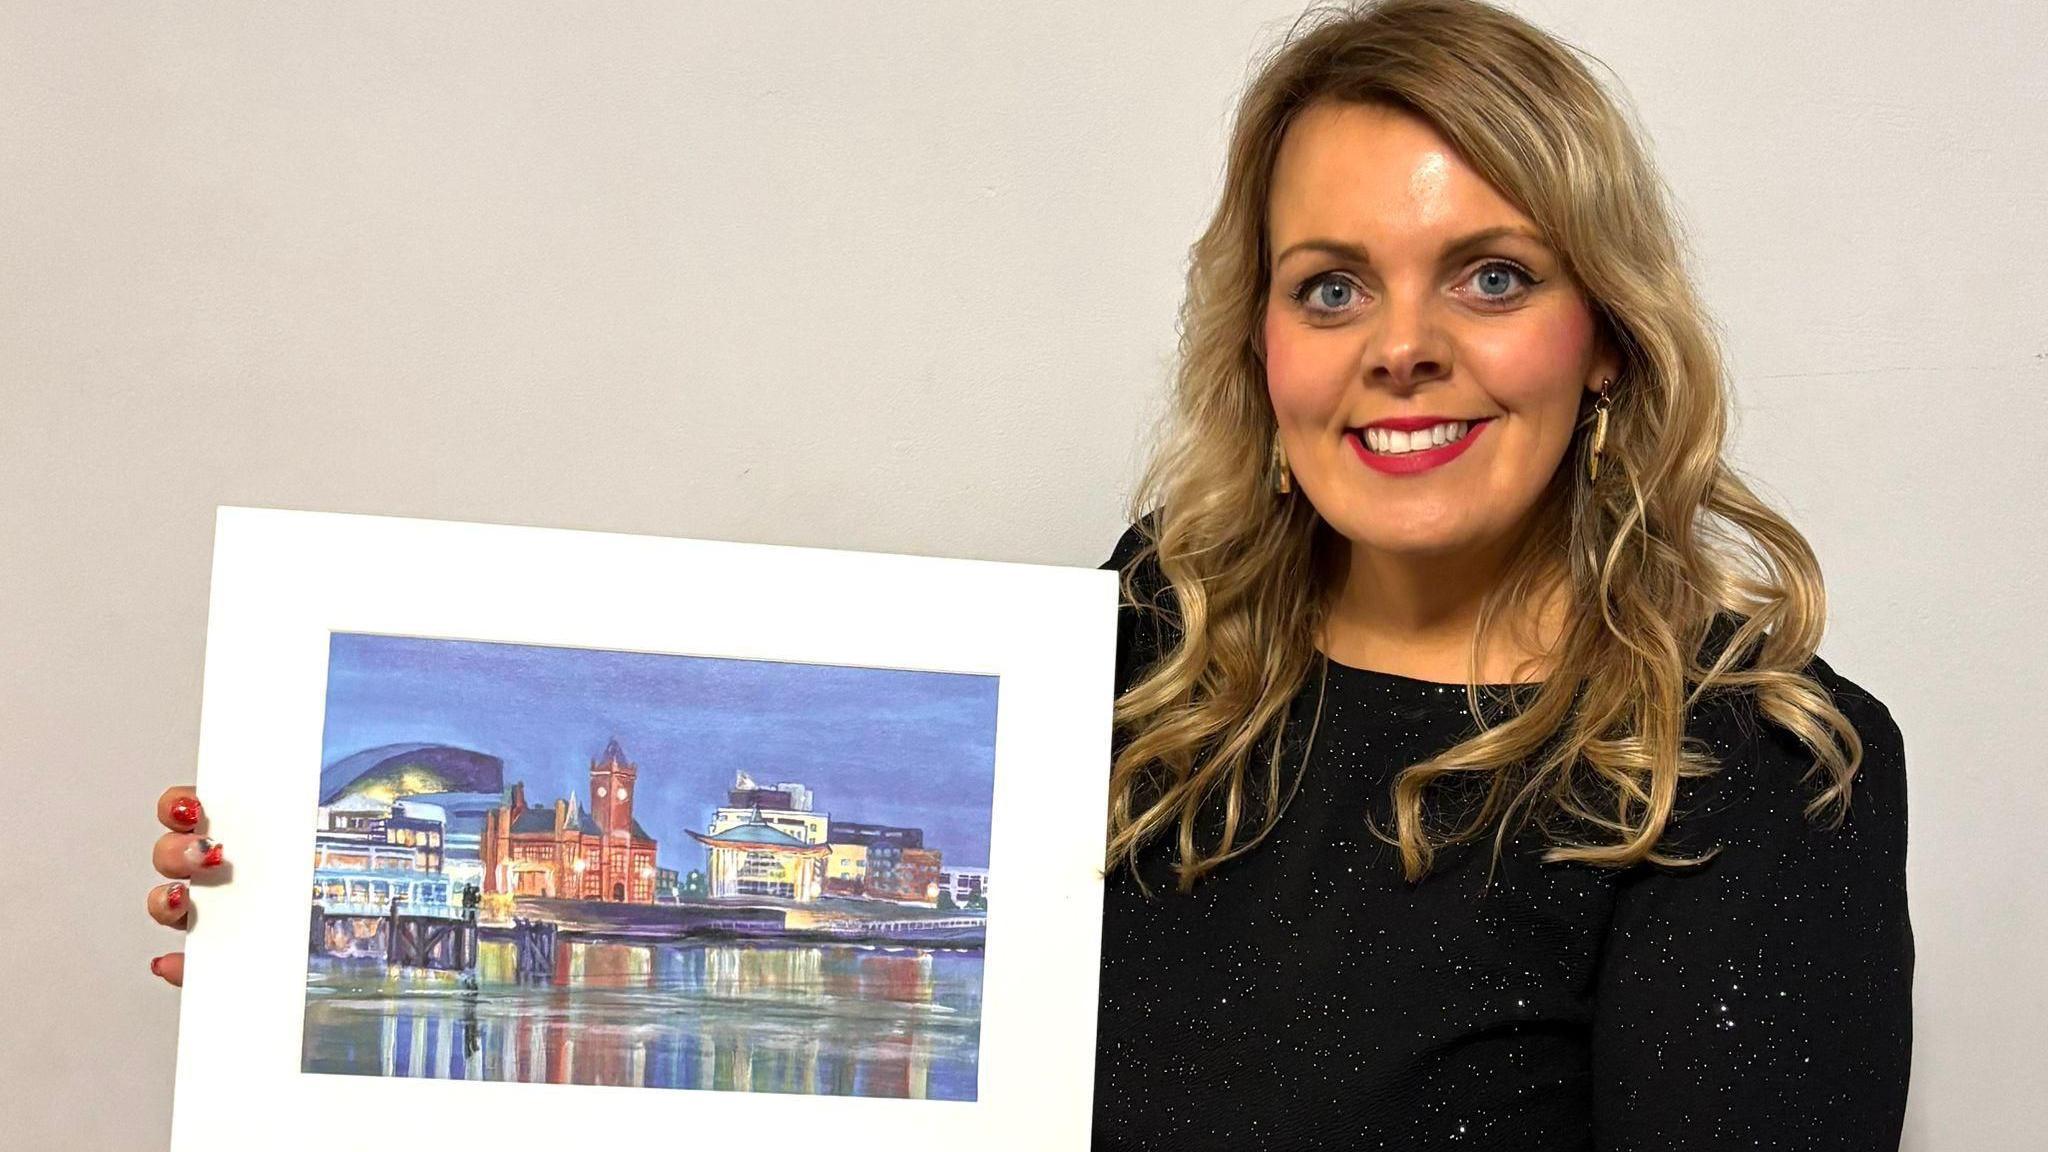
(462,784)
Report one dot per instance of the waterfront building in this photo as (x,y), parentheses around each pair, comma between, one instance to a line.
(769,798)
(342,890)
(853,832)
(809,827)
(885,844)
(964,884)
(463,841)
(788,795)
(786,807)
(412,825)
(917,878)
(464,783)
(568,852)
(755,858)
(846,870)
(368,855)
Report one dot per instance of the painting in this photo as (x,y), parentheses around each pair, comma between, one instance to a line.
(573,866)
(537,832)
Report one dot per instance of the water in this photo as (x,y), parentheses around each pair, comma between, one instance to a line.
(824,1019)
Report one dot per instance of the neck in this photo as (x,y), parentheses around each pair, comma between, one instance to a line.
(1414,615)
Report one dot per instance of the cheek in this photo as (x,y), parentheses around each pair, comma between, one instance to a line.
(1538,374)
(1279,358)
(1298,385)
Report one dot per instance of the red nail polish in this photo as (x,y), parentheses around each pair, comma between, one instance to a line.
(213,855)
(156,966)
(175,898)
(185,810)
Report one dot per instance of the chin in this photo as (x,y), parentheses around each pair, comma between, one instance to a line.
(1418,540)
(1430,527)
(1428,546)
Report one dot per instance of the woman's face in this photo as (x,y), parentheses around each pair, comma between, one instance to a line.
(1386,315)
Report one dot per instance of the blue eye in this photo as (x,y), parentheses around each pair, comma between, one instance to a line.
(1315,290)
(1322,294)
(1501,270)
(1315,285)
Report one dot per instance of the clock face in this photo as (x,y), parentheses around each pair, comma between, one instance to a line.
(600,790)
(622,793)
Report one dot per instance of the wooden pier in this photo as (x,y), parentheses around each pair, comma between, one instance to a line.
(430,941)
(533,949)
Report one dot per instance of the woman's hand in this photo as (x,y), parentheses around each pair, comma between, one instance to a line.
(182,854)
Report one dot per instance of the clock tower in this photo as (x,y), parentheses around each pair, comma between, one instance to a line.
(611,790)
(612,783)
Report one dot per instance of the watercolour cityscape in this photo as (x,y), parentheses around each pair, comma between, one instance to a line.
(578,866)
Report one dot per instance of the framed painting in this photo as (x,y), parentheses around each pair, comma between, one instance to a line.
(539,832)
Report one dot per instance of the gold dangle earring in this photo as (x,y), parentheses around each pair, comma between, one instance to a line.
(1599,431)
(1283,479)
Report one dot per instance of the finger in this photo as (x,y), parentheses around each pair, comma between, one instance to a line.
(178,809)
(170,904)
(182,855)
(170,966)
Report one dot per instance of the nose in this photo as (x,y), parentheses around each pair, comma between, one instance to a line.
(1404,347)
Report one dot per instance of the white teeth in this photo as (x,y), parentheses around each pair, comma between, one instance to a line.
(1388,442)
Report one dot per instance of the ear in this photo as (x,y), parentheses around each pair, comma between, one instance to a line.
(1606,362)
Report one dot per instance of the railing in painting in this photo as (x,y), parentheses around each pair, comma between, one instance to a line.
(363,908)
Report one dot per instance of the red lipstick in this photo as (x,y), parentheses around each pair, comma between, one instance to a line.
(1410,462)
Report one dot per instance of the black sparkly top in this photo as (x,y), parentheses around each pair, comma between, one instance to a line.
(1306,996)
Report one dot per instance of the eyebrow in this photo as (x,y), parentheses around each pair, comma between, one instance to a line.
(1356,252)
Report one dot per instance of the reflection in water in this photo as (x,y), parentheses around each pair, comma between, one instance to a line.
(833,1019)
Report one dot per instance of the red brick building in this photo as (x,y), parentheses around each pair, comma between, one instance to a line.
(917,876)
(571,852)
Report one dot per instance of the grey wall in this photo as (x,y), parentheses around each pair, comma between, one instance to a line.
(901,277)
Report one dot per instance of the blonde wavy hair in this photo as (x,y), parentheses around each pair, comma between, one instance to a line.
(1669,538)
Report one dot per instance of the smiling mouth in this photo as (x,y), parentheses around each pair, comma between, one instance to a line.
(1389,442)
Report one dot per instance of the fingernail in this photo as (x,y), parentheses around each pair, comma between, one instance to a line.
(175,898)
(156,966)
(204,853)
(185,810)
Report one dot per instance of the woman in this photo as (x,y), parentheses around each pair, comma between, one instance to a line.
(1476,781)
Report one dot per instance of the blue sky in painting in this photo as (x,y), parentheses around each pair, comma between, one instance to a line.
(875,745)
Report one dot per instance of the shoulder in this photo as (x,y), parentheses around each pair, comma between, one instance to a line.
(1876,731)
(1866,713)
(1770,779)
(1871,716)
(1878,790)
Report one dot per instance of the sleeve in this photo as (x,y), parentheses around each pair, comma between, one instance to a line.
(1765,999)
